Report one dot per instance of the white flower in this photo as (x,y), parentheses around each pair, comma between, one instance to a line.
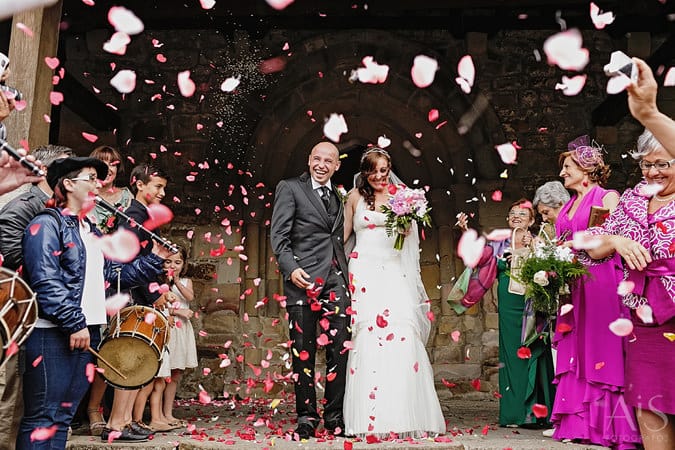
(564,254)
(541,278)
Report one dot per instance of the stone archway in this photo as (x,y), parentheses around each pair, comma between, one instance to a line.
(315,84)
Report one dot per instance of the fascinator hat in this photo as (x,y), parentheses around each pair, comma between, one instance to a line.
(586,153)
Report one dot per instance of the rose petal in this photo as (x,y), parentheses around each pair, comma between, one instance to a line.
(159,215)
(625,287)
(470,247)
(43,434)
(52,63)
(600,20)
(55,98)
(90,137)
(564,50)
(121,246)
(124,20)
(499,234)
(455,335)
(524,353)
(669,79)
(117,44)
(124,81)
(621,327)
(207,4)
(279,4)
(423,71)
(507,152)
(539,411)
(185,84)
(467,72)
(372,72)
(567,307)
(230,84)
(383,142)
(571,86)
(334,127)
(116,302)
(644,312)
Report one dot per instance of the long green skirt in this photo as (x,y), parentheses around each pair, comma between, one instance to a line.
(523,382)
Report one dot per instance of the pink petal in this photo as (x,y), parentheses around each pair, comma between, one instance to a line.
(625,287)
(124,20)
(279,4)
(617,84)
(272,65)
(455,335)
(496,196)
(185,84)
(584,241)
(423,71)
(90,372)
(507,152)
(571,86)
(207,4)
(470,247)
(650,189)
(644,312)
(121,246)
(372,72)
(322,339)
(463,84)
(33,230)
(117,44)
(564,50)
(230,84)
(539,411)
(115,303)
(124,81)
(467,71)
(600,20)
(669,79)
(52,63)
(24,28)
(159,215)
(55,98)
(90,137)
(150,318)
(43,434)
(20,105)
(334,127)
(88,2)
(621,327)
(204,397)
(383,142)
(433,115)
(567,307)
(499,234)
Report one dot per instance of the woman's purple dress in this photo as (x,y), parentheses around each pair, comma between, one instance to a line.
(589,404)
(650,351)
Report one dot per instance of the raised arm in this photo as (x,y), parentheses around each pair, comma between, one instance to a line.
(642,104)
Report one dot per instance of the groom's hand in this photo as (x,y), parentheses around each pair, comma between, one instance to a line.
(300,278)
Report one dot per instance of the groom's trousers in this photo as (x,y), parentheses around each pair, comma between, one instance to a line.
(303,332)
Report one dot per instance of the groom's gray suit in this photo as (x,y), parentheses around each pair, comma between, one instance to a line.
(306,234)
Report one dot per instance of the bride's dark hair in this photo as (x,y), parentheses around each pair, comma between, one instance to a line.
(367,167)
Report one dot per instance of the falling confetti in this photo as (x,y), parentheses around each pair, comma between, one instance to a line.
(423,71)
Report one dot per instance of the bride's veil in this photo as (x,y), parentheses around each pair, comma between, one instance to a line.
(410,261)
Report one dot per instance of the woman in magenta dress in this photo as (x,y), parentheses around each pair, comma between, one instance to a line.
(589,405)
(642,231)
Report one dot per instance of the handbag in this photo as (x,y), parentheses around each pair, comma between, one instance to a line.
(518,257)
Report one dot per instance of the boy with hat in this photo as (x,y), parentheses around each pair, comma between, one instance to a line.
(66,268)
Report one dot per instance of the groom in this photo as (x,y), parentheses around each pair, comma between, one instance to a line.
(307,234)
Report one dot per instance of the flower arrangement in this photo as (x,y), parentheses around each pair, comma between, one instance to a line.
(341,193)
(405,206)
(546,274)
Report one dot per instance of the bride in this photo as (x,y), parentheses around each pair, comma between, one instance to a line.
(390,382)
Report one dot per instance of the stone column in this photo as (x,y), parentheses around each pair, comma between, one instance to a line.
(31,75)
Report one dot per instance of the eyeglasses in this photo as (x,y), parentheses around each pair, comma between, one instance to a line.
(518,214)
(90,178)
(658,165)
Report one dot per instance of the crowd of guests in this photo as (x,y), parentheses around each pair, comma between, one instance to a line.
(597,387)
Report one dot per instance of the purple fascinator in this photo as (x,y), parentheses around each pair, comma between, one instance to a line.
(585,153)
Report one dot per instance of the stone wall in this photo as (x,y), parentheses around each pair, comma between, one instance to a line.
(222,214)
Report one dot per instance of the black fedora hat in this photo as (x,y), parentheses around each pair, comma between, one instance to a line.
(63,166)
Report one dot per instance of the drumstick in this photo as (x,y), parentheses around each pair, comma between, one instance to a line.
(96,354)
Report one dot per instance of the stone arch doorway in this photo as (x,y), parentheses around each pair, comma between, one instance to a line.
(316,83)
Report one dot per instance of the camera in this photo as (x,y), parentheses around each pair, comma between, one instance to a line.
(13,92)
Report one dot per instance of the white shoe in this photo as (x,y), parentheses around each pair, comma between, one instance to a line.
(548,433)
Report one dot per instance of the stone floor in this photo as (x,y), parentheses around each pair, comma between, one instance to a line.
(253,424)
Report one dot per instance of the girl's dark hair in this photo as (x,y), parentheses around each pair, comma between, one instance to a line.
(164,278)
(109,155)
(367,167)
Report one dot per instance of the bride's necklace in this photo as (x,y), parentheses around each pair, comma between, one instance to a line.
(664,199)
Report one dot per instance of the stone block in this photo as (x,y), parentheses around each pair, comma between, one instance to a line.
(491,321)
(456,371)
(448,324)
(430,279)
(490,338)
(476,44)
(228,270)
(452,353)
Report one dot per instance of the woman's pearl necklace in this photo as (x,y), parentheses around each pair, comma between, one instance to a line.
(664,199)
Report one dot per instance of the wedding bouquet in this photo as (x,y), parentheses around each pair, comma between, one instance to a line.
(546,274)
(405,206)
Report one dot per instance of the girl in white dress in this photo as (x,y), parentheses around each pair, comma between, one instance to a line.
(390,381)
(182,345)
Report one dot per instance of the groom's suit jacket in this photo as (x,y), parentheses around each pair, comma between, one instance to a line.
(303,235)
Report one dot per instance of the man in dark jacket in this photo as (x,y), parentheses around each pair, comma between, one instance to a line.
(14,217)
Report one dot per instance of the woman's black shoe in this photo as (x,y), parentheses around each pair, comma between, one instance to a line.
(126,435)
(335,427)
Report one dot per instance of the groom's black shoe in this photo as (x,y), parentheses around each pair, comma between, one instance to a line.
(335,427)
(304,431)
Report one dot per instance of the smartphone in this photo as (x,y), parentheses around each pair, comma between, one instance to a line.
(621,64)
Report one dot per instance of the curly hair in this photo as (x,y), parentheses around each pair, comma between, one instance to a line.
(367,167)
(598,173)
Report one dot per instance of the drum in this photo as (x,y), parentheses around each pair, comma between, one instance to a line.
(134,346)
(18,310)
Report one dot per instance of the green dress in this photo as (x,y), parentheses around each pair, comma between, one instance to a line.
(522,382)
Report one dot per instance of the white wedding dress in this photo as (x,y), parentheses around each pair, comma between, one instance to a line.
(390,382)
